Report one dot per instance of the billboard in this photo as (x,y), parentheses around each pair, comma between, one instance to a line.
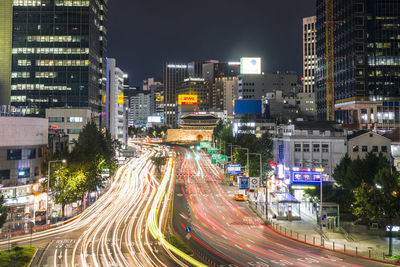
(234,169)
(250,65)
(243,106)
(187,99)
(121,99)
(154,119)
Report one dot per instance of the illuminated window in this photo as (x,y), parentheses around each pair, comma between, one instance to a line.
(24,62)
(20,75)
(74,119)
(45,74)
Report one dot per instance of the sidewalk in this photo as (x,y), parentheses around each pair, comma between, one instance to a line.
(307,230)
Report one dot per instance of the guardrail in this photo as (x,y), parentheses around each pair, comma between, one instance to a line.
(357,250)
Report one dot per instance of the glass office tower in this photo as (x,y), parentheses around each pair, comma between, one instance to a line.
(58,54)
(367,61)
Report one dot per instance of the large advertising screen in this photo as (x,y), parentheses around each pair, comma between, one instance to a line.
(250,65)
(248,106)
(187,99)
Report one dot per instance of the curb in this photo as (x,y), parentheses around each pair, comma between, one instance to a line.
(267,224)
(33,257)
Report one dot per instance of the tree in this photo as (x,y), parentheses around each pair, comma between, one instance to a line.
(3,212)
(380,201)
(350,174)
(67,186)
(158,162)
(93,151)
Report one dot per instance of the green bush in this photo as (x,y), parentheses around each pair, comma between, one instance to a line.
(16,257)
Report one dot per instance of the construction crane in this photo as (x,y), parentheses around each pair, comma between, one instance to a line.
(329,61)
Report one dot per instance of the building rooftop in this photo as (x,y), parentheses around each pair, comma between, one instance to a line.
(317,125)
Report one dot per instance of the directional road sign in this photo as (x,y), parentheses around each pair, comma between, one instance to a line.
(216,159)
(212,150)
(188,229)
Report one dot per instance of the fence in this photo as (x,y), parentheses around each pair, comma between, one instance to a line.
(317,240)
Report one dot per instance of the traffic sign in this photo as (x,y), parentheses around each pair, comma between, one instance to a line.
(212,150)
(323,216)
(215,159)
(244,183)
(234,169)
(254,183)
(205,144)
(188,229)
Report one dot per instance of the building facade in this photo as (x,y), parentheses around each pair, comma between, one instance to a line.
(256,86)
(174,74)
(226,89)
(69,121)
(309,53)
(367,62)
(307,145)
(58,54)
(6,29)
(115,106)
(197,86)
(23,142)
(140,108)
(363,142)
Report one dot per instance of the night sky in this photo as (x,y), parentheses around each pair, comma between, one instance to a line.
(142,34)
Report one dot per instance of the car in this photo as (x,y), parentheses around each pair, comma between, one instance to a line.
(239,197)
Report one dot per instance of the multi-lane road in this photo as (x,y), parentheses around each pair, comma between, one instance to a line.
(117,230)
(226,232)
(127,226)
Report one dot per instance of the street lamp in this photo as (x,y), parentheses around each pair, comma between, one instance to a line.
(48,186)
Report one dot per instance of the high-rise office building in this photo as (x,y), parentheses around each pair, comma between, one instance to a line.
(58,54)
(256,86)
(140,108)
(214,70)
(116,120)
(309,53)
(174,74)
(226,89)
(367,62)
(6,12)
(157,99)
(199,87)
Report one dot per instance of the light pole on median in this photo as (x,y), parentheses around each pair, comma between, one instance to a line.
(48,186)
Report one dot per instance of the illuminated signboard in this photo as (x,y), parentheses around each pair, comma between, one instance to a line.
(306,177)
(154,119)
(234,169)
(187,99)
(250,65)
(121,99)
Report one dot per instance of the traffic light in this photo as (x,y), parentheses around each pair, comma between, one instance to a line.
(192,147)
(198,148)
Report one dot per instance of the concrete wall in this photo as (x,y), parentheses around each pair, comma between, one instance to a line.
(22,131)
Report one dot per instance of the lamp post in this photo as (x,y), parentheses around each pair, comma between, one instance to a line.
(48,186)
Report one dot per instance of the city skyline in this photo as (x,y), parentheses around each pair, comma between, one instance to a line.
(143,26)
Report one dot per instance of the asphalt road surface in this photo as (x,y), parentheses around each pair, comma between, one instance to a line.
(228,233)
